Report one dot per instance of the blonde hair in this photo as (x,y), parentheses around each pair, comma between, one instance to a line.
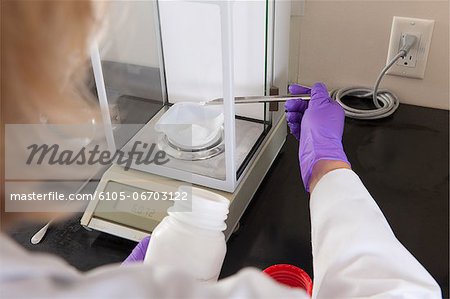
(44,54)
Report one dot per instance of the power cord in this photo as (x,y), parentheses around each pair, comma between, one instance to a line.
(385,101)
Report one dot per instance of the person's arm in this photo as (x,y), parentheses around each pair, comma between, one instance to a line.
(355,253)
(26,275)
(323,167)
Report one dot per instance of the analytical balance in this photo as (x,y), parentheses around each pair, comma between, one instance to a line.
(167,52)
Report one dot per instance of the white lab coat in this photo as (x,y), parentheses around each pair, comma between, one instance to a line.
(356,255)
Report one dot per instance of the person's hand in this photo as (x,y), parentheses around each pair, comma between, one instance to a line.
(138,253)
(318,125)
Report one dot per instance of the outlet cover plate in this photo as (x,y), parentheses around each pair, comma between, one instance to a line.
(412,66)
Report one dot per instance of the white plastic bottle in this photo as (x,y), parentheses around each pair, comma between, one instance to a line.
(192,242)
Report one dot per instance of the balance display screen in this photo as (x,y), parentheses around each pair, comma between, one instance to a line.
(132,206)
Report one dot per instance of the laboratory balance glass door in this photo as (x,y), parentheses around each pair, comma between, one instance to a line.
(167,74)
(206,54)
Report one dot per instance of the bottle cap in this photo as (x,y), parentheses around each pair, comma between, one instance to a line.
(291,276)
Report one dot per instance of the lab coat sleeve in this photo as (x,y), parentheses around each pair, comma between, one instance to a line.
(356,254)
(141,281)
(26,275)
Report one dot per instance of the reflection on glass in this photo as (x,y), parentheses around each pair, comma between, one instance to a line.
(129,51)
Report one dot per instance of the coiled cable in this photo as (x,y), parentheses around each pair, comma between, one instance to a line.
(385,101)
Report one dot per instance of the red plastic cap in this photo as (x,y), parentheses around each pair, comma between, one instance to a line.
(291,276)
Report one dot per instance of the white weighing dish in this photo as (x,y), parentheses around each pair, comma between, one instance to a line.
(190,124)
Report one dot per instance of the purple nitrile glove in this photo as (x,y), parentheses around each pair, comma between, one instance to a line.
(138,253)
(318,125)
(295,109)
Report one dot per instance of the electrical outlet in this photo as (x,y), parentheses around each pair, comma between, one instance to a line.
(412,65)
(410,60)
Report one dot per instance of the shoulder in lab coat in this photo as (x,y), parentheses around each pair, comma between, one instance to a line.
(356,255)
